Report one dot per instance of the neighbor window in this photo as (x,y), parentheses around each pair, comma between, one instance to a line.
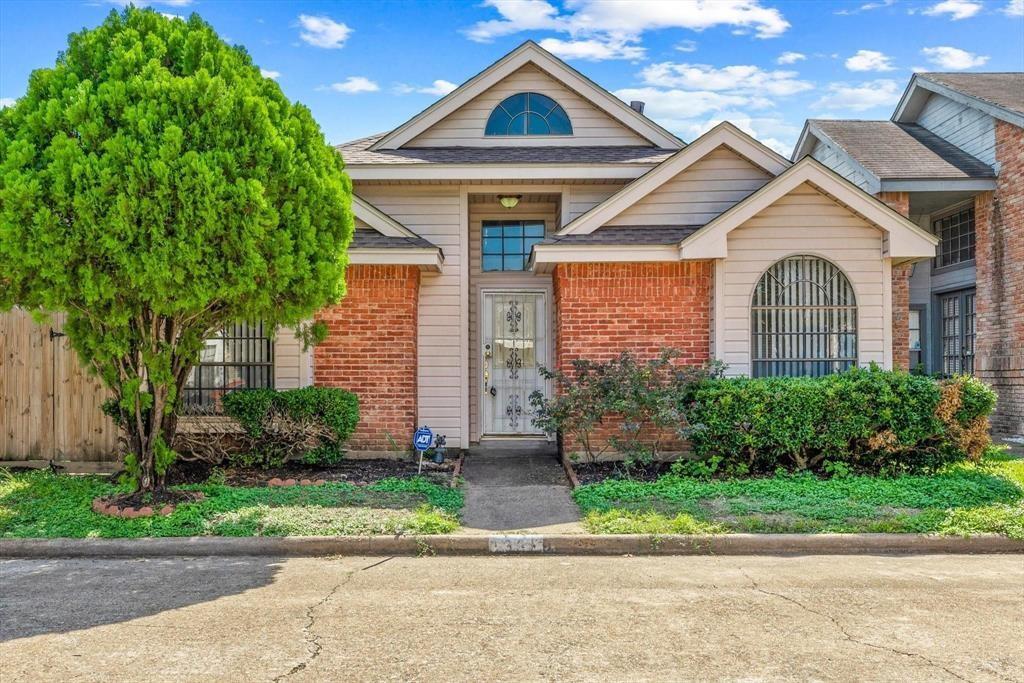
(916,341)
(803,320)
(956,237)
(506,244)
(528,113)
(241,356)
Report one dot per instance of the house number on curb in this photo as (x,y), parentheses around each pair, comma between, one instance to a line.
(515,544)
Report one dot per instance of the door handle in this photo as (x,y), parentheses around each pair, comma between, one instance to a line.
(493,392)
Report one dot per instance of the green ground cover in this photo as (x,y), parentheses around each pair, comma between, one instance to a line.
(961,499)
(44,505)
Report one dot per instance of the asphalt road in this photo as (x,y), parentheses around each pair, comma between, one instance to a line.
(923,618)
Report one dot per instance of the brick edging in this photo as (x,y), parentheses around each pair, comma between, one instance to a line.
(555,544)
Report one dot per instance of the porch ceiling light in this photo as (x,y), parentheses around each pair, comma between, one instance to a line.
(509,201)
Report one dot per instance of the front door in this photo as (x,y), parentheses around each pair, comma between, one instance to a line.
(957,332)
(514,346)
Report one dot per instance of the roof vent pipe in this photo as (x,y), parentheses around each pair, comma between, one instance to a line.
(637,106)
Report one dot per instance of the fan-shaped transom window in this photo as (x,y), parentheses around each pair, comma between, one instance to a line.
(803,320)
(528,113)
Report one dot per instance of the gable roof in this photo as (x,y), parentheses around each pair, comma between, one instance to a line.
(529,53)
(388,242)
(888,150)
(998,94)
(907,240)
(723,134)
(378,220)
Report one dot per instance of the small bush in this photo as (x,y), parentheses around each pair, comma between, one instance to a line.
(866,420)
(312,423)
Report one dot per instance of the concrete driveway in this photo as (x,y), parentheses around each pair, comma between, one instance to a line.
(923,618)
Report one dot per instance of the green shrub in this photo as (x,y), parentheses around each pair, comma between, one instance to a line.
(861,420)
(312,423)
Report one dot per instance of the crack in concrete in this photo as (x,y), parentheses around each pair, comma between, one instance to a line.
(846,634)
(313,646)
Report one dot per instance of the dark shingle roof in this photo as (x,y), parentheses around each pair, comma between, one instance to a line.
(371,239)
(902,150)
(1004,90)
(638,234)
(358,152)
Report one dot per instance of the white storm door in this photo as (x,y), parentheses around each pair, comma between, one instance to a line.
(514,346)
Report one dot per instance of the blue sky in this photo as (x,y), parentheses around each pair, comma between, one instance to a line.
(766,65)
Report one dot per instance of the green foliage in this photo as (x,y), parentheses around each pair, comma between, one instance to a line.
(43,505)
(642,398)
(866,420)
(960,499)
(312,422)
(155,187)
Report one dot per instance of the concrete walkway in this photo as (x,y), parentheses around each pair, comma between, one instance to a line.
(517,486)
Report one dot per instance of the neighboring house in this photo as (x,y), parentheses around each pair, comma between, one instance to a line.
(952,159)
(530,218)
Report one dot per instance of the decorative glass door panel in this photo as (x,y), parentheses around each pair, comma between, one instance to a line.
(957,332)
(514,346)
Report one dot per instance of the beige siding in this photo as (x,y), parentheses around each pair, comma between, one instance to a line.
(583,198)
(803,222)
(292,365)
(434,213)
(465,126)
(478,280)
(698,194)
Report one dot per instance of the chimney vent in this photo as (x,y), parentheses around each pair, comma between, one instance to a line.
(637,106)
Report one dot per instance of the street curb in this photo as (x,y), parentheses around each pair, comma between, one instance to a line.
(555,544)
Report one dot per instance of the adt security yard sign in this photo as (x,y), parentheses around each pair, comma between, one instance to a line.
(422,439)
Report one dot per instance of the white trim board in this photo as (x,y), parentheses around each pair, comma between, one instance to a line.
(530,53)
(427,258)
(378,220)
(913,100)
(723,134)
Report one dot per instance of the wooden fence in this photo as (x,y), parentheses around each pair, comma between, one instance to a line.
(49,404)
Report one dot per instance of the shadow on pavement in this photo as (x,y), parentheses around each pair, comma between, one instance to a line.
(58,596)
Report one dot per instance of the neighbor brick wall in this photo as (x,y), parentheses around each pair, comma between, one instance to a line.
(603,309)
(999,225)
(371,349)
(900,201)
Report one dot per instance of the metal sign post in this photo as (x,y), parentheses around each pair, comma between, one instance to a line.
(421,441)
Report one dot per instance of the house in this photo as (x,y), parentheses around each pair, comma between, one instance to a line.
(952,159)
(530,218)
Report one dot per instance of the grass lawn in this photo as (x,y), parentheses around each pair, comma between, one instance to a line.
(963,499)
(44,505)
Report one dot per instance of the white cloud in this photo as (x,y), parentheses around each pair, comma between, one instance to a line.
(168,15)
(866,7)
(612,29)
(672,108)
(322,31)
(267,73)
(773,131)
(593,50)
(869,60)
(860,96)
(7,102)
(355,84)
(956,9)
(740,78)
(691,45)
(790,57)
(953,58)
(439,88)
(1014,8)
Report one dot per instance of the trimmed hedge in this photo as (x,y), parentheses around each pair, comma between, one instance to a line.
(313,422)
(861,420)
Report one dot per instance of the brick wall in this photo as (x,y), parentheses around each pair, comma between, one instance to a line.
(999,224)
(900,201)
(603,309)
(371,349)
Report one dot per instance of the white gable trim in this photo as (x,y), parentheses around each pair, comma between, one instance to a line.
(546,256)
(378,220)
(723,134)
(906,239)
(530,53)
(425,258)
(920,89)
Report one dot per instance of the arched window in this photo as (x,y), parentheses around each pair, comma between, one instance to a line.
(803,320)
(528,113)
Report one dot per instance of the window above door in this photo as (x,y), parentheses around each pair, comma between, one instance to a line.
(506,245)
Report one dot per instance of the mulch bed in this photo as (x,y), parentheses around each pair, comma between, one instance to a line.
(352,471)
(144,504)
(596,472)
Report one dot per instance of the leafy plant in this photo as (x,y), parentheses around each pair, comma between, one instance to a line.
(155,188)
(626,405)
